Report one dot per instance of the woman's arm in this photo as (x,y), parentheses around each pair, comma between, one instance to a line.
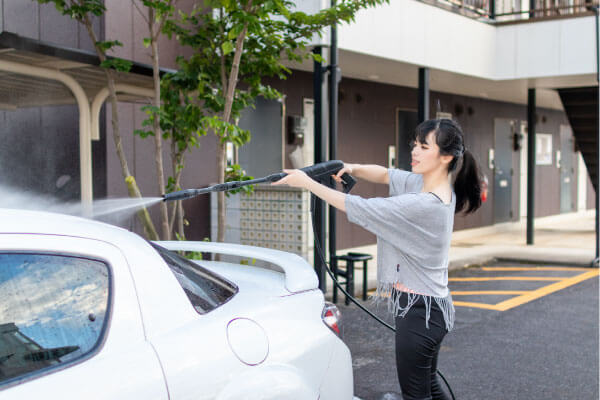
(298,178)
(369,172)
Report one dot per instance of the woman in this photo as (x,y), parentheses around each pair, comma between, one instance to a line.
(413,228)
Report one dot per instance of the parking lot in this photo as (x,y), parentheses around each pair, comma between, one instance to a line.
(522,331)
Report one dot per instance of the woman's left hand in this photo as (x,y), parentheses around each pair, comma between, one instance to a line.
(294,178)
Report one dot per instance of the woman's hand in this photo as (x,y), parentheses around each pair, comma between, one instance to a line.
(294,178)
(347,168)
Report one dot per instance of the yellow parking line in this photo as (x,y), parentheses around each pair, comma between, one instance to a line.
(476,305)
(533,269)
(508,278)
(476,292)
(543,291)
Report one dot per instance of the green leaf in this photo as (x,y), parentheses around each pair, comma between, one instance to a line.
(118,64)
(227,48)
(147,42)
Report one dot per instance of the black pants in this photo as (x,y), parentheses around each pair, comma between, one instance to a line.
(417,351)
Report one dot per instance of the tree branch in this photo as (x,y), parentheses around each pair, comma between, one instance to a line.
(140,11)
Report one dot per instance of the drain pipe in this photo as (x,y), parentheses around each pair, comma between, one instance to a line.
(85,145)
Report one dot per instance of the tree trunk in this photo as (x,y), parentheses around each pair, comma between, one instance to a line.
(177,214)
(221,195)
(232,83)
(158,158)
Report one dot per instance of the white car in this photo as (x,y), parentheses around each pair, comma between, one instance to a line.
(92,311)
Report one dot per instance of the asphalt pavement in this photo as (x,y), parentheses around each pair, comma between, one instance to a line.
(525,331)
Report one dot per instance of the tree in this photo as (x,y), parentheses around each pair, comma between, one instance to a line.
(236,45)
(84,11)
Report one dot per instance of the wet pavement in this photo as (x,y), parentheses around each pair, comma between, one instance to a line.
(522,331)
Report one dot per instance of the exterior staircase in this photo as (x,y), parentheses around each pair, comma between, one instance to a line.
(581,106)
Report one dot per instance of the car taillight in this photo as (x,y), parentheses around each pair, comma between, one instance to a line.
(332,317)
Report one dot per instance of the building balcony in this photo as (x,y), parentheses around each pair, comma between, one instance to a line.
(511,11)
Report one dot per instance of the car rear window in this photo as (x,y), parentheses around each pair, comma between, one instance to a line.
(205,290)
(53,311)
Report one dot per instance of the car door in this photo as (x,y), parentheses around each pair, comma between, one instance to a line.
(70,325)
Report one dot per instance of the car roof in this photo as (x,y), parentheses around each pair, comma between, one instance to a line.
(41,222)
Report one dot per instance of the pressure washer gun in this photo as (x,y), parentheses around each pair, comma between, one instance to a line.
(320,172)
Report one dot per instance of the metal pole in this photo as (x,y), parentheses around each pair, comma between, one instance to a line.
(492,9)
(530,164)
(423,113)
(334,77)
(320,146)
(597,260)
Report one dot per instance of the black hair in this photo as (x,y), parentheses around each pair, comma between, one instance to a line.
(450,139)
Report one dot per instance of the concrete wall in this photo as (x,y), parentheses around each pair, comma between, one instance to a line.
(47,137)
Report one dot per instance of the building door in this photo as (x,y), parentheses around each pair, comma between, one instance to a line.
(566,168)
(504,130)
(406,122)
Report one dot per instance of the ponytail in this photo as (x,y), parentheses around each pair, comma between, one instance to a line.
(467,185)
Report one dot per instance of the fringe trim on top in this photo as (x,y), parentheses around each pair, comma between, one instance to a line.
(389,293)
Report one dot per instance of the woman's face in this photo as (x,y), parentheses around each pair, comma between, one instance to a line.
(426,156)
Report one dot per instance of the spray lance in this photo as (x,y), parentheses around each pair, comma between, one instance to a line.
(321,173)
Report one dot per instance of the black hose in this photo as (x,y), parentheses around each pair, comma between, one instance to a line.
(351,298)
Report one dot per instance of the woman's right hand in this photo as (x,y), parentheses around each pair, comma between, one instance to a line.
(348,168)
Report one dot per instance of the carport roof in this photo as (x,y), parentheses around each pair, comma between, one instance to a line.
(17,90)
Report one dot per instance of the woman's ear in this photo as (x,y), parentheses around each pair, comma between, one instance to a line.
(446,159)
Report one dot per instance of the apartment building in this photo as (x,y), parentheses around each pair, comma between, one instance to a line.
(475,61)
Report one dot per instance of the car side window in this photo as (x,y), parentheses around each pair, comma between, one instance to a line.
(53,310)
(205,290)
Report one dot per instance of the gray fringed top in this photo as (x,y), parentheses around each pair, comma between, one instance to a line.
(413,230)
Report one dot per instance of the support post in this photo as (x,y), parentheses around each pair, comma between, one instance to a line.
(320,109)
(597,260)
(530,164)
(334,78)
(423,109)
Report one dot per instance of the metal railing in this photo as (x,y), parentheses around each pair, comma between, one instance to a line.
(516,10)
